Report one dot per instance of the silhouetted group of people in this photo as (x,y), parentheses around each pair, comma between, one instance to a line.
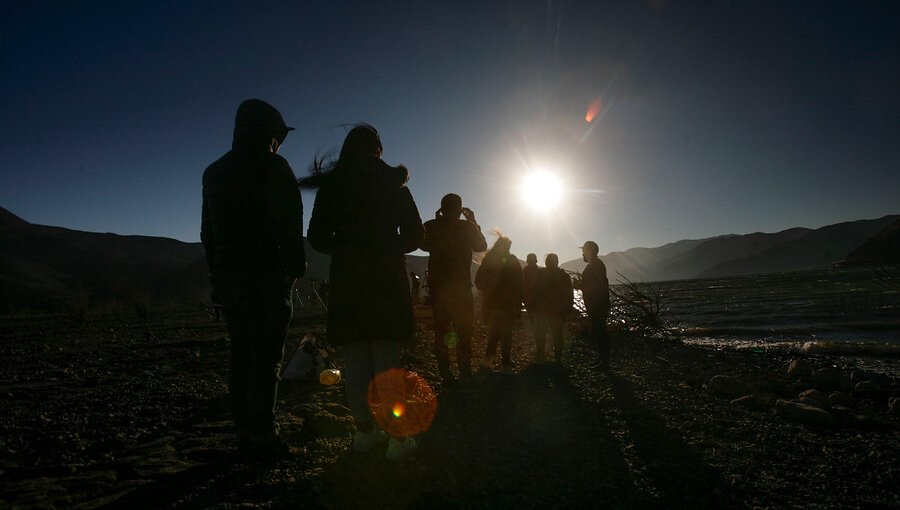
(364,217)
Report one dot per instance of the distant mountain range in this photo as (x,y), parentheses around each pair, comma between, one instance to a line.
(45,267)
(732,255)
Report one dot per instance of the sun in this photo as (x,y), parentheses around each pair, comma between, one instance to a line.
(541,191)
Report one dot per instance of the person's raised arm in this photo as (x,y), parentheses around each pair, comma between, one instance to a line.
(477,242)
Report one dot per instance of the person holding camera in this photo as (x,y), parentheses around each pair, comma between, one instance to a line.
(450,241)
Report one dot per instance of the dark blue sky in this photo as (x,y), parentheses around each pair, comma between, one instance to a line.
(730,117)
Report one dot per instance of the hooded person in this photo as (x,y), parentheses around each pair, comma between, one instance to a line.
(252,233)
(365,219)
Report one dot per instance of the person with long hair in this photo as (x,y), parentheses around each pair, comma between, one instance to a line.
(499,278)
(365,218)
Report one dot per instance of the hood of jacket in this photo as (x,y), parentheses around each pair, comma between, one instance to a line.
(256,124)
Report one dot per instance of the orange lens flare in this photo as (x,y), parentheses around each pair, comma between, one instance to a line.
(593,110)
(402,402)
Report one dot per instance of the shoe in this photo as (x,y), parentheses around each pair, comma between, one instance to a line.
(364,442)
(398,450)
(487,363)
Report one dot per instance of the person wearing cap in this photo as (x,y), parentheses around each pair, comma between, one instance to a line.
(450,242)
(594,288)
(366,220)
(252,233)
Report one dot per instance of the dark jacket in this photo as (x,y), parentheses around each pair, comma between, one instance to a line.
(252,212)
(529,285)
(500,280)
(450,243)
(594,286)
(365,218)
(553,292)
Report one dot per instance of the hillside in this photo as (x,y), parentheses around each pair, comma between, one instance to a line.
(52,267)
(45,267)
(883,247)
(821,247)
(732,255)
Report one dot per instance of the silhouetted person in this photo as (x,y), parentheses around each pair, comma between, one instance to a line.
(415,284)
(552,302)
(499,278)
(529,283)
(252,232)
(365,218)
(450,242)
(595,292)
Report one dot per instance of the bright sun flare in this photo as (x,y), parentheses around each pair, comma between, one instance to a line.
(541,191)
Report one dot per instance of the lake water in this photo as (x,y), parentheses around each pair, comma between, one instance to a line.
(839,307)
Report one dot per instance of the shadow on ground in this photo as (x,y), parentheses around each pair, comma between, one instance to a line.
(531,440)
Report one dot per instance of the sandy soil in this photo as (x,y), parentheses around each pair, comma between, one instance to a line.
(114,413)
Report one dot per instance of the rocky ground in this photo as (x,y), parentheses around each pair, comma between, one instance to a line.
(112,413)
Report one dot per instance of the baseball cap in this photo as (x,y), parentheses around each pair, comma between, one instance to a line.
(590,245)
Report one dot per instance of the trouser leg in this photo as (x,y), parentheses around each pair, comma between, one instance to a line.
(504,334)
(390,382)
(363,360)
(556,331)
(464,355)
(598,327)
(494,334)
(265,369)
(539,326)
(238,370)
(464,323)
(443,317)
(357,375)
(257,315)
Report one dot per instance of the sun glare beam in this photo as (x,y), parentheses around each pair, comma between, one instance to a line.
(541,191)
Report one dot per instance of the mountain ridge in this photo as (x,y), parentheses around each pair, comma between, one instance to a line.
(48,267)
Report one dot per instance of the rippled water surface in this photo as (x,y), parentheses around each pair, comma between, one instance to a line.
(858,305)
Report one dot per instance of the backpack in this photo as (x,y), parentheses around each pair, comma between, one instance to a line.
(310,358)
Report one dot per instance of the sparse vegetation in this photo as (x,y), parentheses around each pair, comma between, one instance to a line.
(638,311)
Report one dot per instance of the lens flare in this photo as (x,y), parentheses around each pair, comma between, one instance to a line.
(451,339)
(402,402)
(593,110)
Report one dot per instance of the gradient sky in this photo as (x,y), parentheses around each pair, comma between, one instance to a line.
(728,117)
